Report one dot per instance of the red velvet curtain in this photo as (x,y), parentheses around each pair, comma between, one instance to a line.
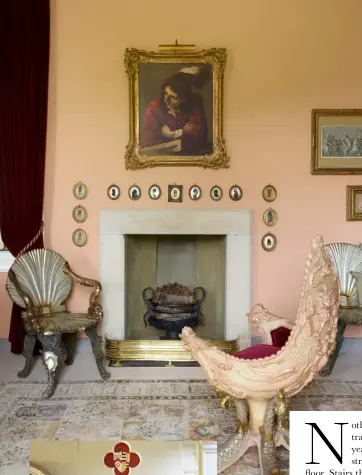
(24,67)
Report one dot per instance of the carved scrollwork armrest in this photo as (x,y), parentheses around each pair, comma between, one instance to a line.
(264,322)
(31,315)
(95,308)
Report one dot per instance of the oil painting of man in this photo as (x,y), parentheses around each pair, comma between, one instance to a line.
(176,109)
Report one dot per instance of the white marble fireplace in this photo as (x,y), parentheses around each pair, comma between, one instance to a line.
(235,225)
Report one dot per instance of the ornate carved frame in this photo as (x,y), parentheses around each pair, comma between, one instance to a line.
(214,56)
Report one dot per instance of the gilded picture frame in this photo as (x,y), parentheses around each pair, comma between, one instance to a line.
(175,193)
(183,128)
(269,193)
(80,237)
(79,214)
(269,242)
(354,203)
(270,217)
(336,142)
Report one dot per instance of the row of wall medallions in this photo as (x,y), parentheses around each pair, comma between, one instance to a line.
(175,195)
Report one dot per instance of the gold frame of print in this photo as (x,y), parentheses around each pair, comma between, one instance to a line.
(85,237)
(85,188)
(274,242)
(274,193)
(266,217)
(74,214)
(134,197)
(109,192)
(195,197)
(170,197)
(336,142)
(212,195)
(354,203)
(235,198)
(150,192)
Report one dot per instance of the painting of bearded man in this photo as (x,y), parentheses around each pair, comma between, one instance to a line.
(177,118)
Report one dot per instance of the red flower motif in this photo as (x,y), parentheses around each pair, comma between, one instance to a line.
(121,459)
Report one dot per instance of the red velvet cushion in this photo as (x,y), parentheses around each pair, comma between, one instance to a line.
(280,336)
(257,351)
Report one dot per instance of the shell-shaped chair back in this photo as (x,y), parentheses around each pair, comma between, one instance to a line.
(346,258)
(318,307)
(40,275)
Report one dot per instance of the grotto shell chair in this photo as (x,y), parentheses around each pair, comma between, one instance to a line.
(40,282)
(258,386)
(347,261)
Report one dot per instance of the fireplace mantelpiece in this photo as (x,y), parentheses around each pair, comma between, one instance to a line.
(235,225)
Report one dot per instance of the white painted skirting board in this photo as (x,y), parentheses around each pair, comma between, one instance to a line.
(6,261)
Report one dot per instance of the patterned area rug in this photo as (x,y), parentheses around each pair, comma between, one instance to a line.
(147,410)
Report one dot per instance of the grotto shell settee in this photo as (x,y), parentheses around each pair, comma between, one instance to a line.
(258,384)
(347,262)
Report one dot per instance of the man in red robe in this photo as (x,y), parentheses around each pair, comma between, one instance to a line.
(178,113)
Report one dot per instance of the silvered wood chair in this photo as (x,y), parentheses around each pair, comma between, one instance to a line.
(40,282)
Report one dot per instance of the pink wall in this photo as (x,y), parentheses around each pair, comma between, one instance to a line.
(284,59)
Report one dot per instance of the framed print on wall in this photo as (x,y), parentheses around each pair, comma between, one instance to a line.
(269,242)
(354,203)
(79,214)
(336,142)
(270,217)
(195,192)
(175,193)
(80,190)
(176,107)
(269,193)
(113,192)
(154,192)
(235,193)
(80,237)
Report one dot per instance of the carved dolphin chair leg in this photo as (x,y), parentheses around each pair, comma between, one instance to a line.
(96,342)
(242,410)
(29,345)
(53,356)
(282,413)
(234,448)
(266,435)
(267,449)
(70,343)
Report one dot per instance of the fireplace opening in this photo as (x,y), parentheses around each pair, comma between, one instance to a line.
(193,262)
